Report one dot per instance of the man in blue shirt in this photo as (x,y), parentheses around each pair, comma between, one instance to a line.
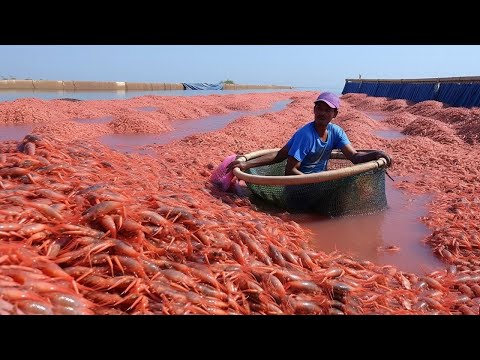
(309,148)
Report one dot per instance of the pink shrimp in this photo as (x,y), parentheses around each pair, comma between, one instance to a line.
(97,282)
(304,286)
(68,310)
(101,209)
(201,273)
(48,286)
(203,238)
(130,265)
(433,283)
(306,260)
(51,194)
(103,298)
(46,210)
(16,294)
(85,252)
(123,248)
(14,171)
(31,307)
(205,301)
(207,290)
(139,303)
(274,286)
(131,225)
(238,254)
(329,273)
(109,224)
(71,229)
(33,228)
(179,277)
(70,300)
(154,218)
(255,247)
(291,258)
(47,267)
(277,256)
(55,247)
(301,306)
(10,227)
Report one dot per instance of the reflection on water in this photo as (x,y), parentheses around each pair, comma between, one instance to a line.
(384,134)
(181,129)
(389,134)
(14,132)
(376,115)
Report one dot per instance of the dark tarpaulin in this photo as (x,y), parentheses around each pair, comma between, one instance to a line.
(394,91)
(382,90)
(351,87)
(202,86)
(368,88)
(466,95)
(474,96)
(454,94)
(418,92)
(450,93)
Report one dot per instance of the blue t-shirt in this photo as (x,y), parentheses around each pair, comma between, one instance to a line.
(307,147)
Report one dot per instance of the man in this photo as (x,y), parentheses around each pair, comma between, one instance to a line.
(309,149)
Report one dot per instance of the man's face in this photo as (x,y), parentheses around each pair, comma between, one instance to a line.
(323,113)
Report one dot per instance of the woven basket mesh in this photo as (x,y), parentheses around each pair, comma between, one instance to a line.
(353,195)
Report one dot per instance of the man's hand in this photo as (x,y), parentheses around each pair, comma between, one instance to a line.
(239,162)
(379,154)
(362,156)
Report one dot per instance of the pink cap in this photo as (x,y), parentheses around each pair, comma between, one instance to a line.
(330,98)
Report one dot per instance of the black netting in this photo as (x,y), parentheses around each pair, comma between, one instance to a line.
(353,195)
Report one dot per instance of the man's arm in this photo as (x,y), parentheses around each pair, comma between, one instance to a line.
(292,166)
(360,157)
(267,159)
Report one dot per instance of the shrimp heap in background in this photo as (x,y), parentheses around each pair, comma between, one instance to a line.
(89,230)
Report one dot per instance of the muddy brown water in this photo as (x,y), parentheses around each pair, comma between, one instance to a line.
(390,237)
(369,237)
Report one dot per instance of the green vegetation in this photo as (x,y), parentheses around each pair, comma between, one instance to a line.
(228,81)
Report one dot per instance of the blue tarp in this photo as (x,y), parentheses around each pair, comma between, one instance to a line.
(454,94)
(202,86)
(458,94)
(368,88)
(351,87)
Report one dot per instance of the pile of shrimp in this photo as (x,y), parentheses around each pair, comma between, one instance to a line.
(88,230)
(432,129)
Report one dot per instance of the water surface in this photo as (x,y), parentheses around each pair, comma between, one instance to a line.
(181,129)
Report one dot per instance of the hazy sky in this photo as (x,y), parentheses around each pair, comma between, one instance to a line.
(296,65)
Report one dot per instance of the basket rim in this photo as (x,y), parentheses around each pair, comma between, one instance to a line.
(307,178)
